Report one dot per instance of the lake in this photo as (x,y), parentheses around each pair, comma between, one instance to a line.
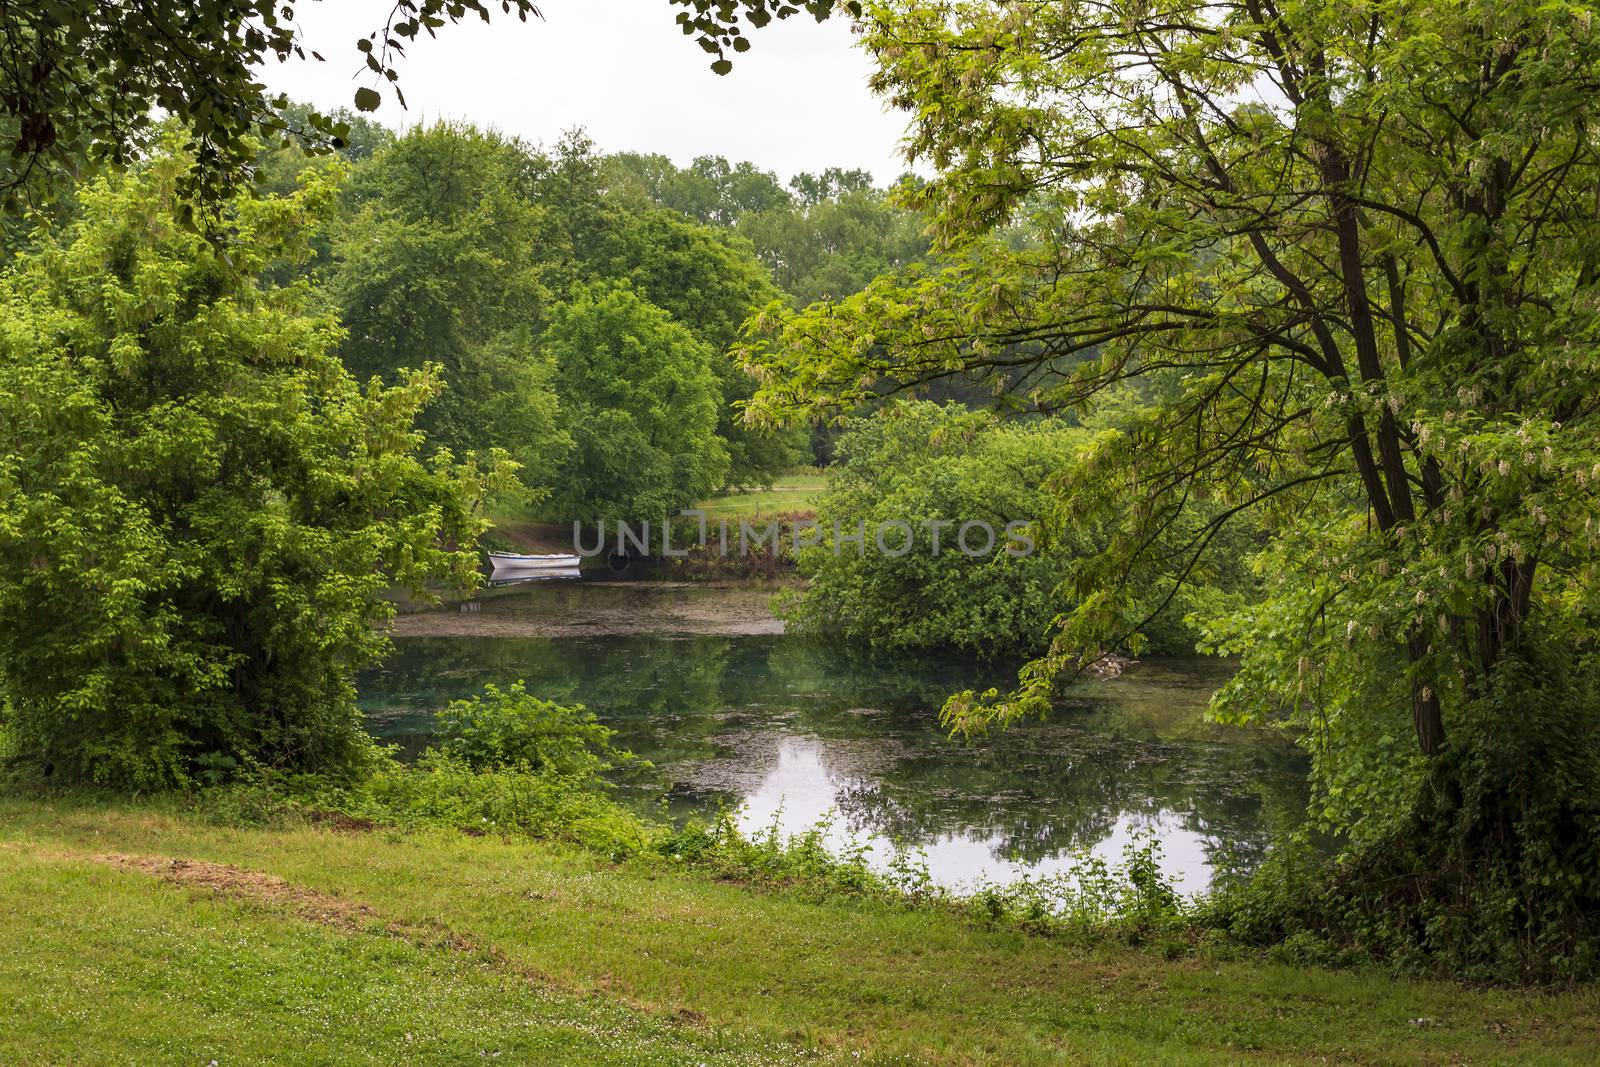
(784,729)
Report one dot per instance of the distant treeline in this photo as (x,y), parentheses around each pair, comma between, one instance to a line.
(582,306)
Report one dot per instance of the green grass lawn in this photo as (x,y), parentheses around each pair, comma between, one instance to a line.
(108,966)
(520,528)
(792,492)
(415,948)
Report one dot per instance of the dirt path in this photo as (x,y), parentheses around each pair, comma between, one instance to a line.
(258,887)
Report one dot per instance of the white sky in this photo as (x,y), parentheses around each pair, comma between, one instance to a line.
(797,101)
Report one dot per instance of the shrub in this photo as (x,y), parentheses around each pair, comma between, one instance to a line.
(505,763)
(918,463)
(511,730)
(442,790)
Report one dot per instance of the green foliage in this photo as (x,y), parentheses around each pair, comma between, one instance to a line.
(919,463)
(508,762)
(803,864)
(829,237)
(711,282)
(1372,321)
(503,762)
(707,279)
(1130,901)
(277,169)
(455,245)
(199,508)
(88,80)
(1309,388)
(439,258)
(710,190)
(837,237)
(923,464)
(509,729)
(441,790)
(643,399)
(1491,872)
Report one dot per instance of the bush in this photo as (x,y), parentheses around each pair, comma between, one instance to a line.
(441,790)
(917,463)
(510,730)
(505,763)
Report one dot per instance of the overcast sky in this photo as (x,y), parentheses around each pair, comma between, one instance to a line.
(798,100)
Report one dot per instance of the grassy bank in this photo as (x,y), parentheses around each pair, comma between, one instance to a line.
(519,526)
(791,493)
(308,944)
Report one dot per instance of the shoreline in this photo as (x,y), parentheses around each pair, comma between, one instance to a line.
(603,609)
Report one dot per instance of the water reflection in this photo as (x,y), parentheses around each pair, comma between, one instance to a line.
(784,729)
(506,579)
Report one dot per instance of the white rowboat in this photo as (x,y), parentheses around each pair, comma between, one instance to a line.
(514,561)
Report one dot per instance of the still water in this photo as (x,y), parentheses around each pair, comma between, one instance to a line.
(781,729)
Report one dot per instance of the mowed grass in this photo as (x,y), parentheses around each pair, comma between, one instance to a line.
(104,966)
(522,529)
(793,492)
(572,959)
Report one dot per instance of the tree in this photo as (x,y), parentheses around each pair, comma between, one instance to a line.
(440,259)
(642,398)
(87,76)
(199,508)
(830,246)
(834,183)
(711,282)
(1366,238)
(829,240)
(458,240)
(276,170)
(706,277)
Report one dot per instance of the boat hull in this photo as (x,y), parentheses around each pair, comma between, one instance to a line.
(508,561)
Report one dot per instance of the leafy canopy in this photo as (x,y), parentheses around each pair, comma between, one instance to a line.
(440,257)
(1363,238)
(453,244)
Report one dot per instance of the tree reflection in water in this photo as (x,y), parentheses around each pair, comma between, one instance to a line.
(780,724)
